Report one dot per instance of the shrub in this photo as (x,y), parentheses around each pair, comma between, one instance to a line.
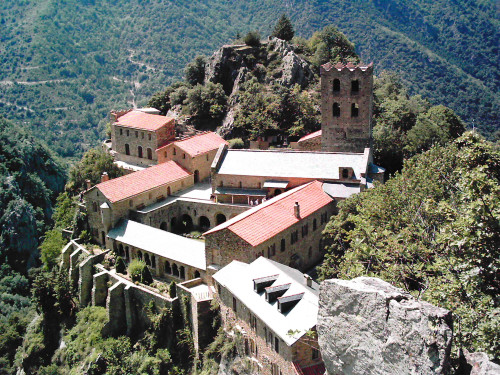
(171,290)
(236,143)
(120,265)
(146,277)
(135,269)
(252,39)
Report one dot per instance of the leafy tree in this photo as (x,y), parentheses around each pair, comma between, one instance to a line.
(135,269)
(252,39)
(51,247)
(93,164)
(283,29)
(194,72)
(433,230)
(146,277)
(120,265)
(206,102)
(331,45)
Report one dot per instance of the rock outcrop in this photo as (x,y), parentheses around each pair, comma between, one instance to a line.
(481,365)
(367,326)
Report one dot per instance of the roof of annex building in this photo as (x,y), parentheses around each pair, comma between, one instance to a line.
(199,143)
(138,182)
(291,164)
(159,242)
(266,220)
(142,120)
(311,136)
(239,278)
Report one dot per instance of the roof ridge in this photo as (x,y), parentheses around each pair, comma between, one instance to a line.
(253,210)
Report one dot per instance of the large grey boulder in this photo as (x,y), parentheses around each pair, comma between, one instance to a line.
(367,326)
(481,365)
(295,70)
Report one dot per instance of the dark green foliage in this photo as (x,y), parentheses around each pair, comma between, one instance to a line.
(194,72)
(252,39)
(279,111)
(51,247)
(172,292)
(331,45)
(206,102)
(433,230)
(146,277)
(406,125)
(135,269)
(236,143)
(91,167)
(120,265)
(283,29)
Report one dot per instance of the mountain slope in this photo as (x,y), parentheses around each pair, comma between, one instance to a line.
(65,64)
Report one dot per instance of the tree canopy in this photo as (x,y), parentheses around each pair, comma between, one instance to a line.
(284,29)
(432,229)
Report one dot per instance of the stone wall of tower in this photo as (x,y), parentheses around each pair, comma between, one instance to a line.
(344,130)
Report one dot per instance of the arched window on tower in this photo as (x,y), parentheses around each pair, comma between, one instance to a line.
(355,86)
(336,110)
(354,110)
(336,85)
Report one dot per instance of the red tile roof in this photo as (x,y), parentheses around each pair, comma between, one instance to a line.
(200,143)
(318,369)
(134,183)
(274,216)
(142,120)
(310,136)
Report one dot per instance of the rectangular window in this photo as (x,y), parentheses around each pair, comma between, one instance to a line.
(305,230)
(121,131)
(294,237)
(149,136)
(137,134)
(253,322)
(235,305)
(315,353)
(276,345)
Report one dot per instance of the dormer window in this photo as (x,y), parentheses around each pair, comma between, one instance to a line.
(261,283)
(273,292)
(287,303)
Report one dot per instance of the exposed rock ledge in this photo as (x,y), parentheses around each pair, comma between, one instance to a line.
(367,326)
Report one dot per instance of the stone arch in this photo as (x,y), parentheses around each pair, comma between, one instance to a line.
(186,224)
(182,272)
(173,225)
(127,253)
(196,274)
(220,218)
(204,223)
(168,268)
(139,255)
(164,226)
(121,252)
(196,176)
(149,153)
(127,149)
(175,270)
(153,261)
(139,151)
(146,259)
(336,85)
(336,110)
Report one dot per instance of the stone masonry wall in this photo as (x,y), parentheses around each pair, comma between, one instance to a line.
(345,133)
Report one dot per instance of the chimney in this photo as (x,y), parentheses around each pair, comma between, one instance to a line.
(308,280)
(296,210)
(88,183)
(104,177)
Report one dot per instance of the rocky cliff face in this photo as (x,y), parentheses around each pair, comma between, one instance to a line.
(273,62)
(367,326)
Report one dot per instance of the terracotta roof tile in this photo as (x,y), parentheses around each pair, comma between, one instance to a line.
(201,143)
(142,120)
(310,136)
(274,216)
(134,183)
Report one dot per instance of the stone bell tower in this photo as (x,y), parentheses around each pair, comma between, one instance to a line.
(346,107)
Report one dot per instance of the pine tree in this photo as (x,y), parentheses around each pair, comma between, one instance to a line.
(284,29)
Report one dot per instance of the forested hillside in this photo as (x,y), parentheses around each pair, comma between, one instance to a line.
(65,64)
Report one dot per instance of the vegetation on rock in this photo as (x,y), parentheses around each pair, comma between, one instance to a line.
(433,229)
